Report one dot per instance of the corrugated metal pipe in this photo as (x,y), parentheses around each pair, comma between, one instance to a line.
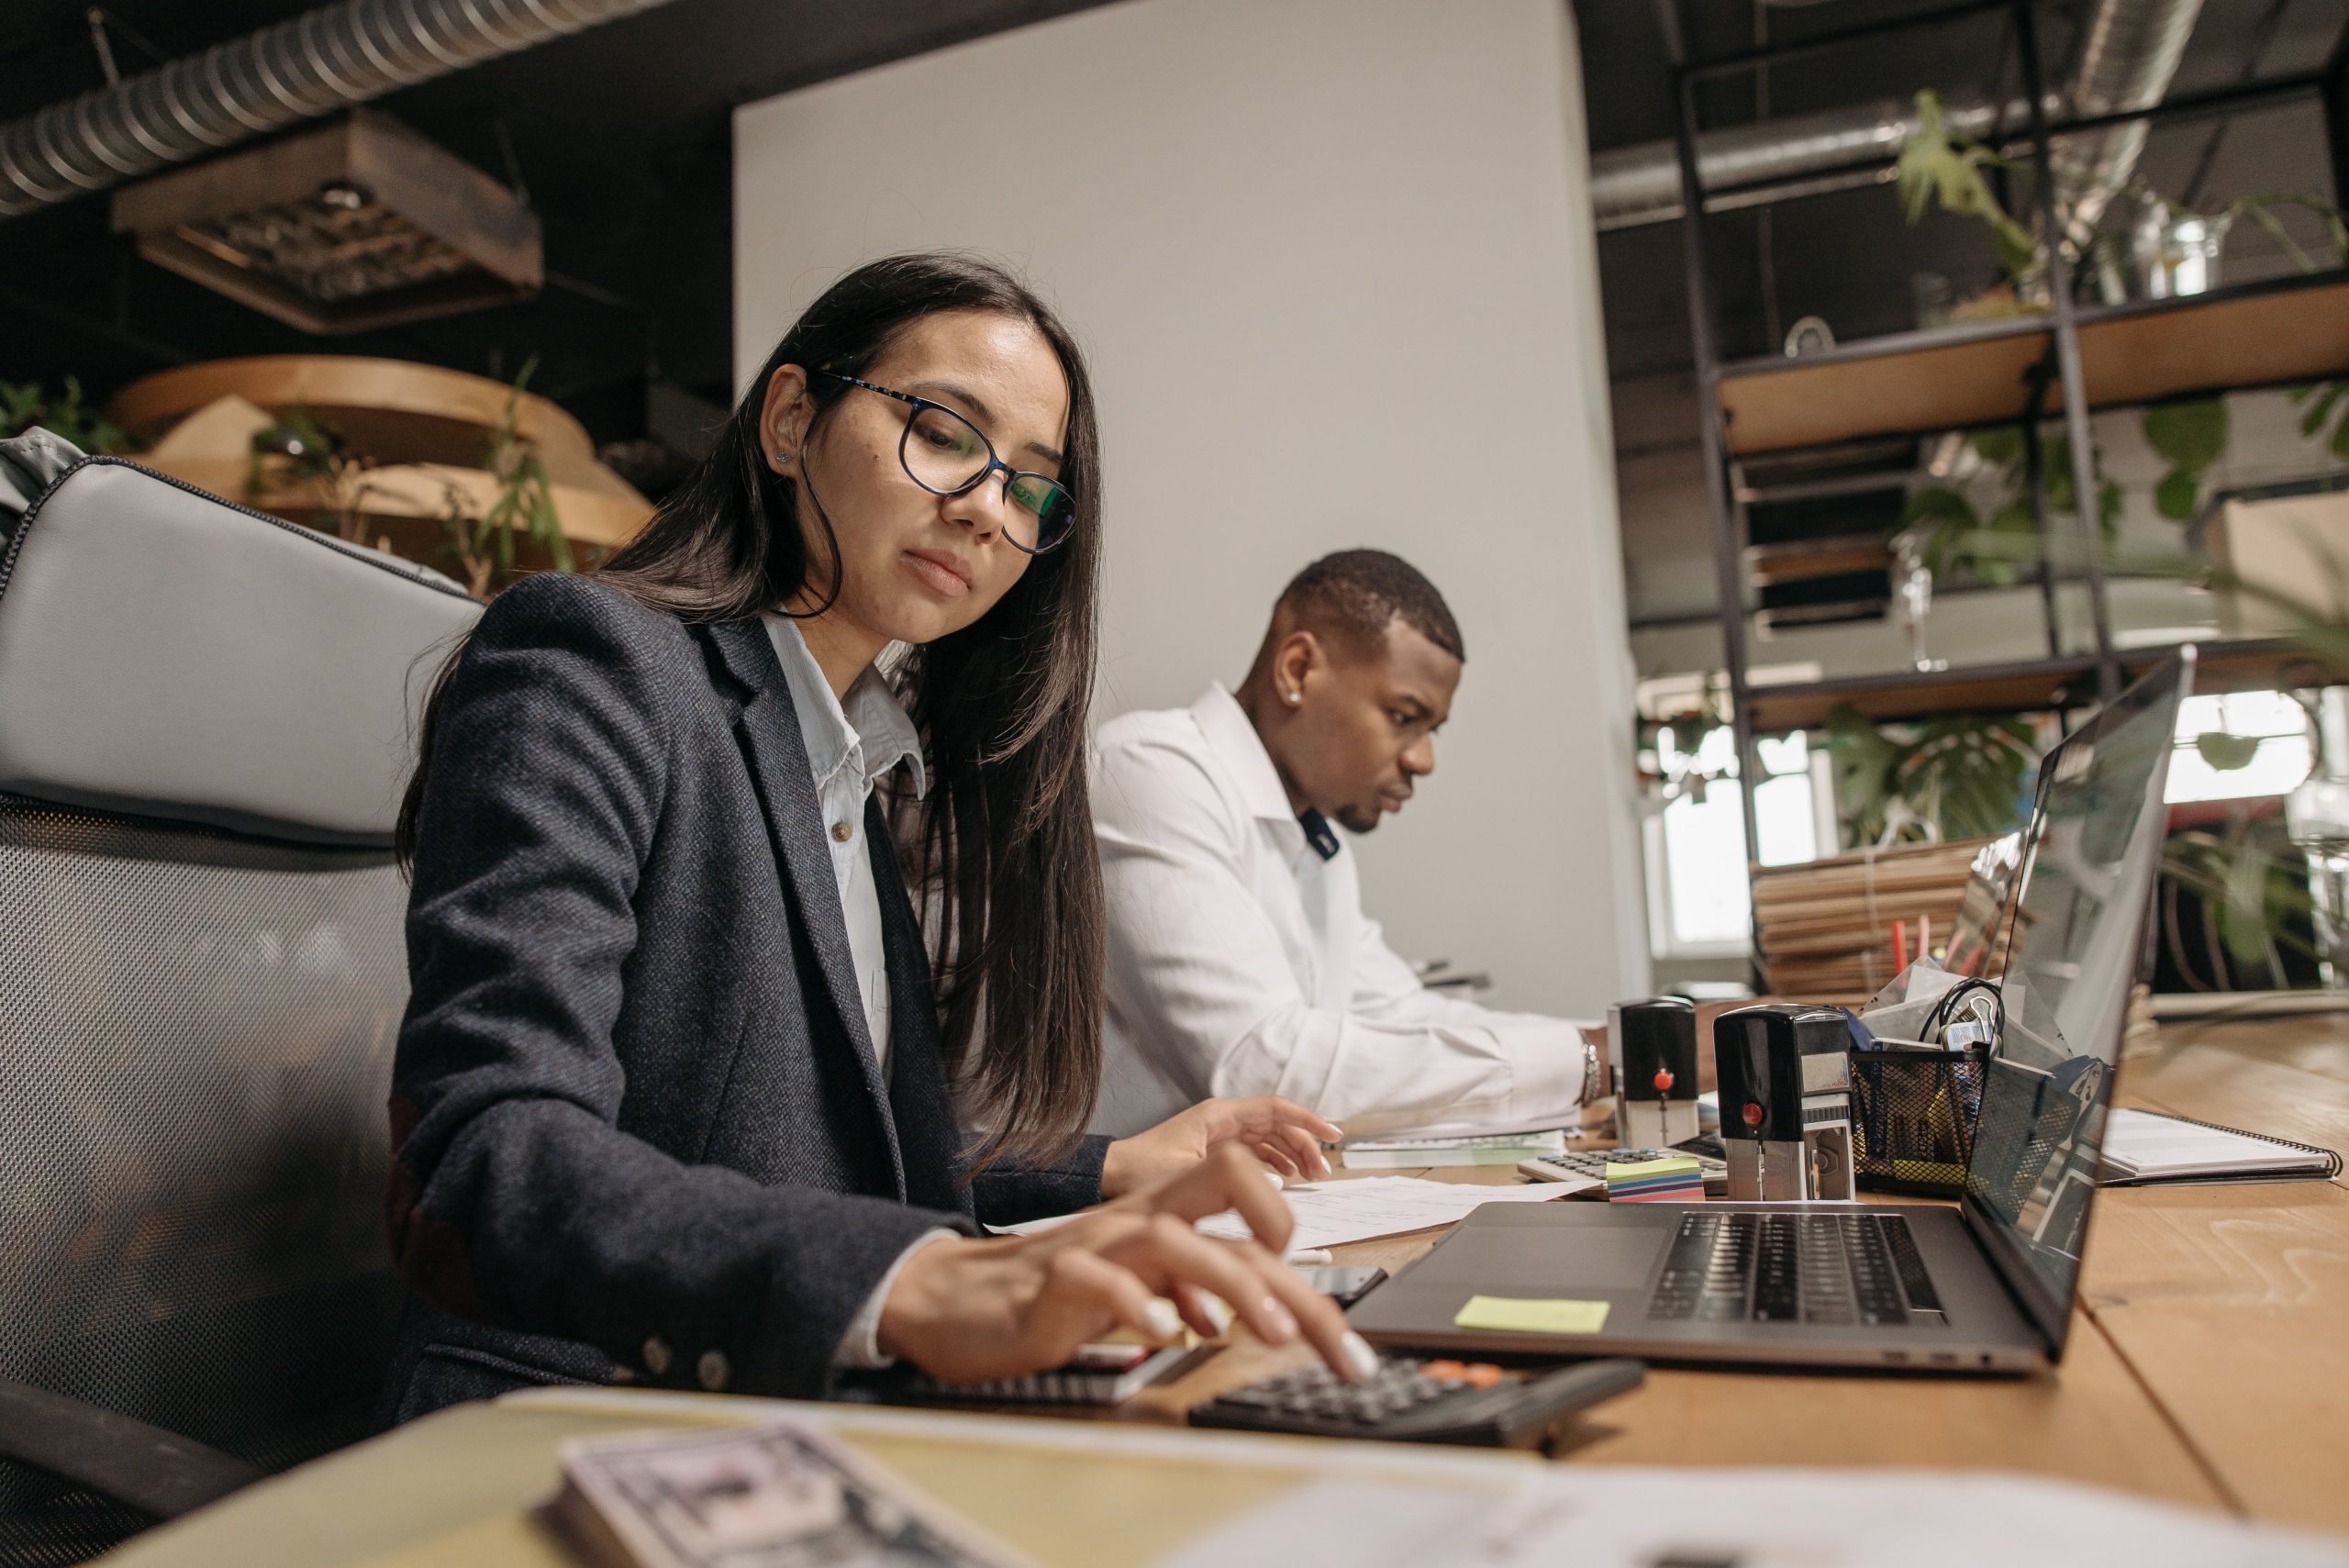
(2129,51)
(319,62)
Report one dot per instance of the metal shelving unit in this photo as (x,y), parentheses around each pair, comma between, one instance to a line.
(1977,374)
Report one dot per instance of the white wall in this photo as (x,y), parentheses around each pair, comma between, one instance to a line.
(1333,265)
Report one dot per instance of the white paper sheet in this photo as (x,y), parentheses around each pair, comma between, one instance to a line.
(1618,1516)
(1330,1214)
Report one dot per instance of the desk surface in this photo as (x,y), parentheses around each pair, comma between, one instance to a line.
(2210,1366)
(2212,1352)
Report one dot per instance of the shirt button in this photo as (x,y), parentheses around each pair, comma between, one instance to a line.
(843,831)
(712,1371)
(656,1356)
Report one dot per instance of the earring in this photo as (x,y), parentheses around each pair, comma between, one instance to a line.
(1293,697)
(778,460)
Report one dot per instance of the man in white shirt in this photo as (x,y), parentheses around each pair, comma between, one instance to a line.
(1240,961)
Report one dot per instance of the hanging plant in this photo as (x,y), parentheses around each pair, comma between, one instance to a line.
(1937,168)
(2190,436)
(1954,776)
(1955,532)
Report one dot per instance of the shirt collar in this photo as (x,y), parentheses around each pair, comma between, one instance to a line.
(870,728)
(1237,745)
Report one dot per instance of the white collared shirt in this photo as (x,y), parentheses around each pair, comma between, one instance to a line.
(851,746)
(1239,961)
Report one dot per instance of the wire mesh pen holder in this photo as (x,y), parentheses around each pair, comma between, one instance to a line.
(1913,1116)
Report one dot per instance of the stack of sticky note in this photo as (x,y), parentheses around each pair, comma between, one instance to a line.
(1676,1178)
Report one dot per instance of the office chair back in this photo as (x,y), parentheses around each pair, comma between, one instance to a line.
(206,719)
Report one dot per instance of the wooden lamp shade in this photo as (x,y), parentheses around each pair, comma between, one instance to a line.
(350,227)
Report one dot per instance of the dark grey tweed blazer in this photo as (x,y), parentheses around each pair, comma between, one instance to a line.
(640,1133)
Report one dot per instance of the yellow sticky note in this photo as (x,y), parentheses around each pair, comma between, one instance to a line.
(1671,1164)
(1517,1315)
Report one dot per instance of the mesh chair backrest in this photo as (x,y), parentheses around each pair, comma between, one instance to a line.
(195,1042)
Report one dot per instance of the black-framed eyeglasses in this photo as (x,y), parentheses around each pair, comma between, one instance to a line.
(947,455)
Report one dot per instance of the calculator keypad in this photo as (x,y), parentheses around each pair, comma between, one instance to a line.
(1400,1386)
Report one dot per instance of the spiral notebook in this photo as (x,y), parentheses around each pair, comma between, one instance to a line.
(2141,1147)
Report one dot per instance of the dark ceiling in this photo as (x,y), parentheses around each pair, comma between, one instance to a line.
(620,136)
(1848,257)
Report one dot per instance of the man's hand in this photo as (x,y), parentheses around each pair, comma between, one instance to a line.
(1285,1136)
(967,1310)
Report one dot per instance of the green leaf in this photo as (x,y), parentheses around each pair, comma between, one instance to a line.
(1998,557)
(2001,446)
(1939,504)
(2176,495)
(2326,396)
(2189,435)
(2340,440)
(2226,752)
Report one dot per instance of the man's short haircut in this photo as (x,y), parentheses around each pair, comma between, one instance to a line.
(1357,594)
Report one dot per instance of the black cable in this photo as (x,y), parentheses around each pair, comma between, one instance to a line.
(1944,1009)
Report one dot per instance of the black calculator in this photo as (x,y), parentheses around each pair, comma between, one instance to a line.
(1407,1400)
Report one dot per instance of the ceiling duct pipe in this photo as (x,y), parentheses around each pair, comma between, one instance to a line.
(2129,51)
(317,63)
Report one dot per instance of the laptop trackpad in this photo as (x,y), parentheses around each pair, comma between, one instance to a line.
(1595,1258)
(1606,1259)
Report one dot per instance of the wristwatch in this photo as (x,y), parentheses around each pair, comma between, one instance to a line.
(1592,1074)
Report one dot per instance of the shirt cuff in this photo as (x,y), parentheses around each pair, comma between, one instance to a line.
(860,1346)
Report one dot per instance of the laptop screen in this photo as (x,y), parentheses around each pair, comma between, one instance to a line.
(2086,885)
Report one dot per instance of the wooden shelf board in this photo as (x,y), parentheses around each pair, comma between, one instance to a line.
(1944,386)
(2276,336)
(1988,689)
(2269,334)
(2244,665)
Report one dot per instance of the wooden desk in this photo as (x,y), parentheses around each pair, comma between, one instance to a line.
(2210,1364)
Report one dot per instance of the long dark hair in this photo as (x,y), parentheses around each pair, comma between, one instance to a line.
(1002,844)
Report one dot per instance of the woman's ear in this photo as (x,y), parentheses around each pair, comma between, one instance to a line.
(784,417)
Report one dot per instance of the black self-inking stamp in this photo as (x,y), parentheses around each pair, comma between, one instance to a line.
(1651,1045)
(1786,1087)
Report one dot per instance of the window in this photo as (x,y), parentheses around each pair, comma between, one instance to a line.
(2279,762)
(1697,899)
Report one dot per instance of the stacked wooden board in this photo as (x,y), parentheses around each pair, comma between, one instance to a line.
(1824,930)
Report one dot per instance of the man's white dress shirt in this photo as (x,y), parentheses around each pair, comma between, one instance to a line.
(852,745)
(1241,963)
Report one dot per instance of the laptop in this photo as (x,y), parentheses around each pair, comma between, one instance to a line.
(1984,1286)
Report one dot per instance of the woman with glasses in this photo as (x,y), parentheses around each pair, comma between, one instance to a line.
(685,1094)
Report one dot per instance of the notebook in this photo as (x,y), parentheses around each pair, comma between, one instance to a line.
(2148,1146)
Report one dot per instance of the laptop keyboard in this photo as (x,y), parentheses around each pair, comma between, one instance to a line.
(1795,1268)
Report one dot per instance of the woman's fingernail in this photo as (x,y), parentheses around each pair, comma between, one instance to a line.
(1165,1323)
(1314,1256)
(1219,1313)
(1280,1327)
(1362,1361)
(1273,1177)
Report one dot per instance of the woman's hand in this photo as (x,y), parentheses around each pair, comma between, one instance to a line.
(1282,1134)
(966,1309)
